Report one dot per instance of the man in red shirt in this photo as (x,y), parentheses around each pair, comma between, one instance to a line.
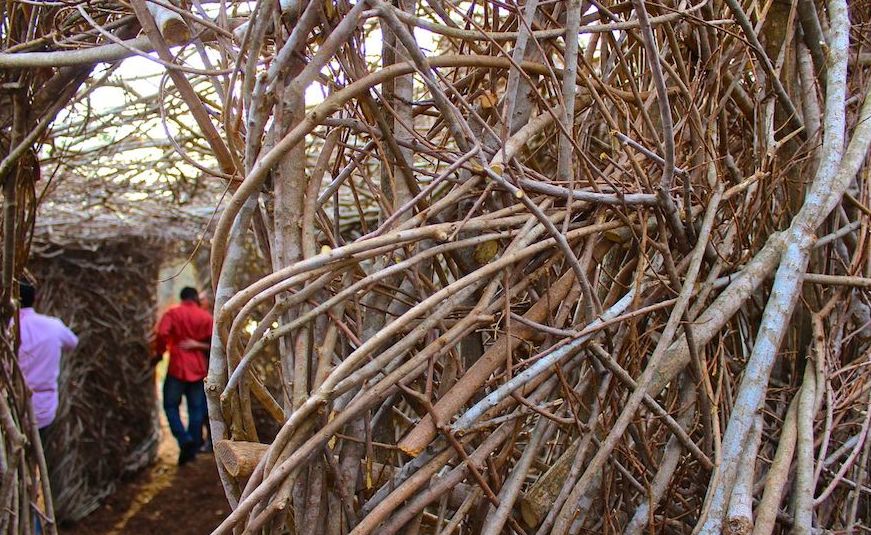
(185,330)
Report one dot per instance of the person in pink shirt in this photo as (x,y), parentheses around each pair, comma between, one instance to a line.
(43,339)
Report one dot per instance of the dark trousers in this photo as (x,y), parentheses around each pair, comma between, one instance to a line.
(173,390)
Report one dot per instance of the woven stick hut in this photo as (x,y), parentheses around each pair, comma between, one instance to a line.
(98,270)
(106,427)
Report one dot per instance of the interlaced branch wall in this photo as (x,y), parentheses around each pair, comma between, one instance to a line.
(23,473)
(549,267)
(606,268)
(106,426)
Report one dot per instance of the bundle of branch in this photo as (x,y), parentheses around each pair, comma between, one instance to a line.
(35,85)
(106,427)
(604,265)
(265,416)
(23,474)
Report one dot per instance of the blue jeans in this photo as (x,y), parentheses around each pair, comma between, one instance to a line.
(173,390)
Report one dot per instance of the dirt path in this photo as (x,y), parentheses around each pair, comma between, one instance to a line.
(165,499)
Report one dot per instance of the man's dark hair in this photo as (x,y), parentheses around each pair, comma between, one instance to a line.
(27,293)
(189,294)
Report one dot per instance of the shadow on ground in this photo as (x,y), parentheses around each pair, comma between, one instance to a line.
(165,499)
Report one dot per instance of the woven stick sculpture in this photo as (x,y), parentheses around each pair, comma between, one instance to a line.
(556,267)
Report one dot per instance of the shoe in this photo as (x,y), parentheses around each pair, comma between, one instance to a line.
(187,454)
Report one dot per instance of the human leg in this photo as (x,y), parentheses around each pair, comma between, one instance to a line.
(207,431)
(196,400)
(173,389)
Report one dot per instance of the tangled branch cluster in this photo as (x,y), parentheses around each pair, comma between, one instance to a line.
(544,268)
(560,310)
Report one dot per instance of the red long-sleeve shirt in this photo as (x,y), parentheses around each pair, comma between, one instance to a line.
(181,322)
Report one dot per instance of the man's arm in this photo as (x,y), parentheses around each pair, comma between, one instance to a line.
(203,343)
(189,343)
(161,338)
(68,339)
